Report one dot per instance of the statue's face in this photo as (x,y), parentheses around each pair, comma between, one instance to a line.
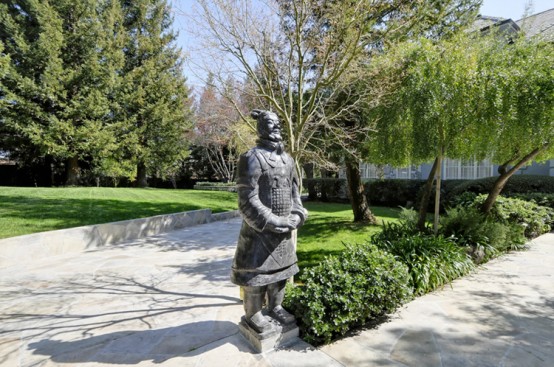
(270,128)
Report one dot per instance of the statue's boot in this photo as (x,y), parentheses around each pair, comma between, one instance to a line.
(281,315)
(259,323)
(253,302)
(275,295)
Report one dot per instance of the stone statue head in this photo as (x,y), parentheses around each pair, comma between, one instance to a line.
(268,126)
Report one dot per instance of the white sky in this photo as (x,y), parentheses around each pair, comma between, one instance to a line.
(513,9)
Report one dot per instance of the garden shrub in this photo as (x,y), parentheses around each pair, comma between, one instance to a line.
(409,218)
(393,192)
(433,261)
(346,291)
(446,187)
(216,186)
(519,184)
(395,231)
(483,236)
(326,189)
(216,183)
(539,198)
(465,199)
(534,218)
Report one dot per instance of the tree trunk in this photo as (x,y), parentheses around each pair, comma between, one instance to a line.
(358,200)
(505,176)
(426,196)
(142,180)
(437,194)
(72,178)
(309,170)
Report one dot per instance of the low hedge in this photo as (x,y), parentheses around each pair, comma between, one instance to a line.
(393,192)
(519,184)
(221,184)
(407,193)
(216,186)
(389,192)
(346,291)
(326,189)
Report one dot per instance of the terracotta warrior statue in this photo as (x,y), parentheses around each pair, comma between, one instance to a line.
(270,206)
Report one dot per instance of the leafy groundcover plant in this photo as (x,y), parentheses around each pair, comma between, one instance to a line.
(347,291)
(482,236)
(534,218)
(432,261)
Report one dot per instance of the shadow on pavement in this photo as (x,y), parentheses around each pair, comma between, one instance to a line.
(132,347)
(112,319)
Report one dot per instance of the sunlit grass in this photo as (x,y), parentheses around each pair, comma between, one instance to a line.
(25,210)
(330,225)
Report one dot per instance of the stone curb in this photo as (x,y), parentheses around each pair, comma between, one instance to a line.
(35,246)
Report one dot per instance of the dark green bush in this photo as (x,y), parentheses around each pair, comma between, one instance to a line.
(326,189)
(209,183)
(534,218)
(483,236)
(347,291)
(393,193)
(520,184)
(465,199)
(432,261)
(446,188)
(539,198)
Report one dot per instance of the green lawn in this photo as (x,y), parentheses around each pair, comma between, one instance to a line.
(330,225)
(25,210)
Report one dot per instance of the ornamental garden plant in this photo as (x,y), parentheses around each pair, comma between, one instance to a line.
(367,281)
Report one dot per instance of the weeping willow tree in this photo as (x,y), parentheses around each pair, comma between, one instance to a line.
(471,96)
(432,114)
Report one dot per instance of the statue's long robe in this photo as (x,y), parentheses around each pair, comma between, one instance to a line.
(267,187)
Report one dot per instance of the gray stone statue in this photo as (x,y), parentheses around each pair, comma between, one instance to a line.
(269,202)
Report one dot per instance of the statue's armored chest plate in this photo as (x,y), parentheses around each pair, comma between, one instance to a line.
(278,178)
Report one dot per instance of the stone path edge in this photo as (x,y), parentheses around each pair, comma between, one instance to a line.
(35,246)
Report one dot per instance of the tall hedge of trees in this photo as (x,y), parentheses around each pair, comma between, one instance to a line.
(92,86)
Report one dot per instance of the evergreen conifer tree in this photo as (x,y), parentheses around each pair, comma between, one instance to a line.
(154,90)
(59,86)
(93,84)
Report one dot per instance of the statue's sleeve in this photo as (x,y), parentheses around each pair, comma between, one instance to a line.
(254,213)
(297,207)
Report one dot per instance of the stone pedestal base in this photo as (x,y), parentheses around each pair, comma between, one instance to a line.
(281,335)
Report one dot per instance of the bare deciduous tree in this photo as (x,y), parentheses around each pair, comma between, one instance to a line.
(218,129)
(300,56)
(294,53)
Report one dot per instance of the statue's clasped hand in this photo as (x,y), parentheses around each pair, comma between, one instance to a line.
(284,224)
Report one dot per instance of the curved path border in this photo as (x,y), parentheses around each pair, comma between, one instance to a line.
(39,245)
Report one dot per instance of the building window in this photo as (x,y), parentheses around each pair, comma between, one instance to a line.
(368,170)
(402,172)
(466,169)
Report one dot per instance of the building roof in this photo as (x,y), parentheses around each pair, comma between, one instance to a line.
(484,21)
(6,162)
(540,24)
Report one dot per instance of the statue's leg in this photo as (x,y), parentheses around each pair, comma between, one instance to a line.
(276,294)
(253,303)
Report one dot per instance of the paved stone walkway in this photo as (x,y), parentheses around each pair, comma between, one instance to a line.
(166,300)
